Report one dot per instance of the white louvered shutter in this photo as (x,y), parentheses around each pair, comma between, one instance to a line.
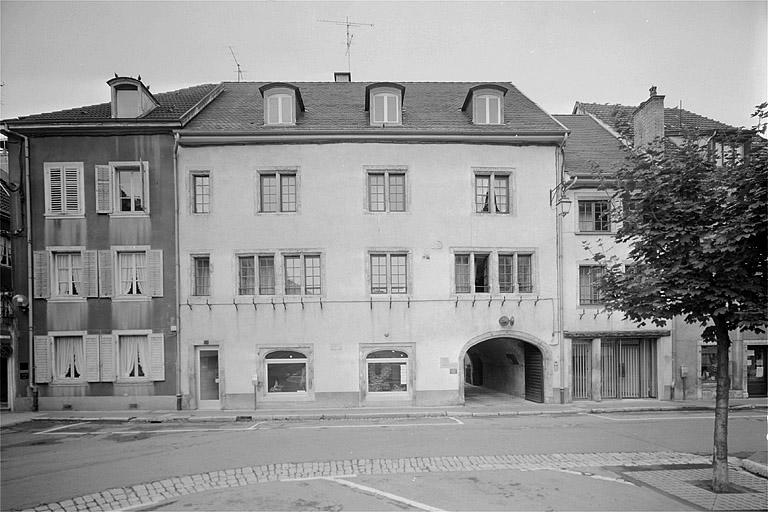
(103,189)
(72,189)
(155,272)
(145,185)
(107,358)
(42,360)
(54,176)
(41,274)
(156,357)
(92,358)
(90,274)
(105,274)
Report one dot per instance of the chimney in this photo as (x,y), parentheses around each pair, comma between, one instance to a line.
(342,76)
(649,119)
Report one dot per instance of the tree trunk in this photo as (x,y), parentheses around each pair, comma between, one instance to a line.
(720,453)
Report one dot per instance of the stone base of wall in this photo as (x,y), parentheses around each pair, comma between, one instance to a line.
(338,400)
(106,403)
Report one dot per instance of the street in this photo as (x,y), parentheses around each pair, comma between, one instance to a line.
(418,463)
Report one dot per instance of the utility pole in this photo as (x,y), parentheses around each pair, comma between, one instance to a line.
(348,24)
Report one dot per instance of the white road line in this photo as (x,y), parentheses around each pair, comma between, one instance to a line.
(253,427)
(60,427)
(376,492)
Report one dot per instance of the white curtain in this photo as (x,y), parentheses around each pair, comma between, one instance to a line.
(70,357)
(133,356)
(126,273)
(141,272)
(77,273)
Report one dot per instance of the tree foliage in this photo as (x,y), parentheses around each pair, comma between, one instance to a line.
(697,233)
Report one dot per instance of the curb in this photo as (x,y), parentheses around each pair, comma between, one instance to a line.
(754,467)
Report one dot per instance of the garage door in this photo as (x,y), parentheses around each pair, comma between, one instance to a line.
(534,374)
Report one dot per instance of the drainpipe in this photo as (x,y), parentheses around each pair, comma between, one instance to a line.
(30,274)
(177,268)
(560,169)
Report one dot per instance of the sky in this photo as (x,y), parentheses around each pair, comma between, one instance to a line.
(712,56)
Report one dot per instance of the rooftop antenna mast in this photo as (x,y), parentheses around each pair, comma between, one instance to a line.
(239,71)
(348,24)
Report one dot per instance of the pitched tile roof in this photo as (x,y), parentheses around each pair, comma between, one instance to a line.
(340,106)
(590,148)
(173,105)
(618,116)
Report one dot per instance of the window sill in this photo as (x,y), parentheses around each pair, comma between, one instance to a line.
(297,396)
(67,299)
(128,215)
(132,298)
(64,215)
(595,232)
(69,383)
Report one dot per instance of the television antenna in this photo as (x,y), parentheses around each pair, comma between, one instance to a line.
(348,24)
(239,71)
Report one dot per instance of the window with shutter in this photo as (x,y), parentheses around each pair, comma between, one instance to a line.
(107,358)
(103,189)
(41,274)
(156,357)
(105,274)
(42,360)
(92,365)
(64,188)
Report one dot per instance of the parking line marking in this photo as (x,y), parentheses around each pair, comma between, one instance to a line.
(376,492)
(60,427)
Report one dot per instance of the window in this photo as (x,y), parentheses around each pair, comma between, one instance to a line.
(5,255)
(202,276)
(594,216)
(709,363)
(387,371)
(133,273)
(246,276)
(201,193)
(249,282)
(70,357)
(64,189)
(589,285)
(487,109)
(277,191)
(286,372)
(302,275)
(280,109)
(123,188)
(386,191)
(515,273)
(472,273)
(69,273)
(492,200)
(386,108)
(389,273)
(134,360)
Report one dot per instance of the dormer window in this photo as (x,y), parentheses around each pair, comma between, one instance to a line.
(486,104)
(131,99)
(281,103)
(384,102)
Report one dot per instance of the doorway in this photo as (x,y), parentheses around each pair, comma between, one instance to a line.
(208,378)
(628,368)
(757,381)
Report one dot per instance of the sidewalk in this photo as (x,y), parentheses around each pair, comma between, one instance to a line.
(483,404)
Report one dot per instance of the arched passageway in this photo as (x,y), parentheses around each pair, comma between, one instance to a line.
(505,365)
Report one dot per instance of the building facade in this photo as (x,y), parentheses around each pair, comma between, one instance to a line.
(100,329)
(356,244)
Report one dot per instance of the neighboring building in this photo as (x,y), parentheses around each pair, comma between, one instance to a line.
(638,126)
(99,183)
(8,329)
(608,357)
(358,244)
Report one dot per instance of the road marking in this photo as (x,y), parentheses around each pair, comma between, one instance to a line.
(597,477)
(454,420)
(253,427)
(672,418)
(376,492)
(60,427)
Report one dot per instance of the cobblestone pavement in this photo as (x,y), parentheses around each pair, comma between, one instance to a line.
(681,483)
(155,492)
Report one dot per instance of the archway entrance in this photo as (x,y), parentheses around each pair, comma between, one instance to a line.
(506,366)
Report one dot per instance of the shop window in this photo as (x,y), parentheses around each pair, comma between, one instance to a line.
(709,363)
(286,372)
(387,371)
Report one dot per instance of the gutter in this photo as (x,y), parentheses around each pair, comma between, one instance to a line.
(217,138)
(177,272)
(560,170)
(30,273)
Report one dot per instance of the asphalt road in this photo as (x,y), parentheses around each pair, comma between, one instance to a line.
(49,462)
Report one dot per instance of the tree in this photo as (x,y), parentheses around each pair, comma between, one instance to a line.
(698,244)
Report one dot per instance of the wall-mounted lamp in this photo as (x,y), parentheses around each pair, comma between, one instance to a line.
(21,302)
(557,196)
